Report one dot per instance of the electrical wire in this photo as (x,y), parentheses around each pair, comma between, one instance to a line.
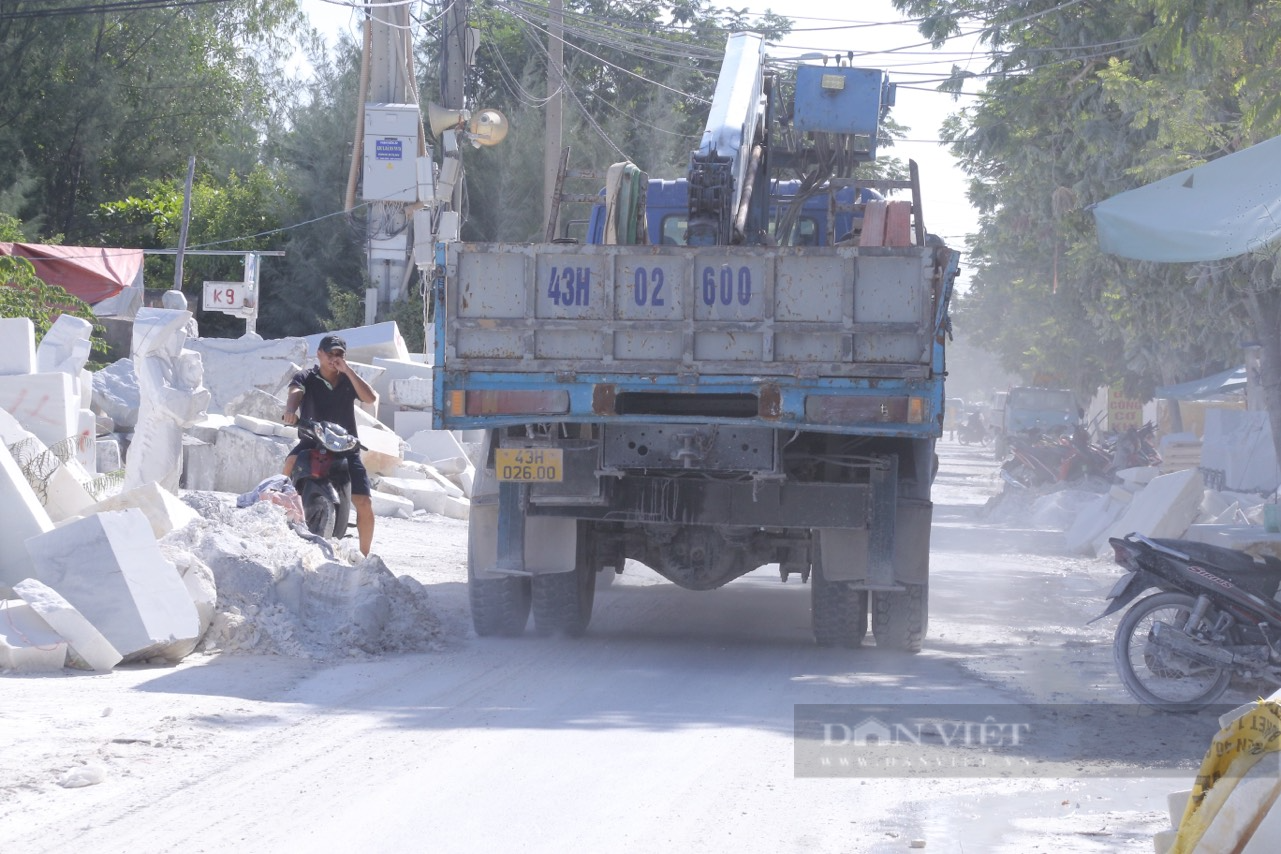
(104,8)
(604,61)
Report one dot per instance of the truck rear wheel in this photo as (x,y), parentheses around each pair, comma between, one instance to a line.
(562,601)
(838,611)
(499,606)
(899,618)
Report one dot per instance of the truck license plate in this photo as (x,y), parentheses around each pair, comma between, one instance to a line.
(530,465)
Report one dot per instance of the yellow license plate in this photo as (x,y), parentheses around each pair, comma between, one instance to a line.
(530,465)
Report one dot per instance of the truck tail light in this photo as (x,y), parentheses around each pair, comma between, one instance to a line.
(915,410)
(860,409)
(508,402)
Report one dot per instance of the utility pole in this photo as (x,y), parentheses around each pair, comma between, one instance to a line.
(392,140)
(186,221)
(555,104)
(452,94)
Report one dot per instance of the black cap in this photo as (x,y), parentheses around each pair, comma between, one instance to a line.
(333,343)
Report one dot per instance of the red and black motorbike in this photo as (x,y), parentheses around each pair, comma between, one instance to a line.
(322,479)
(1214,618)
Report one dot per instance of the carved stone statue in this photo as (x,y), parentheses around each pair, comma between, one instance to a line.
(172,397)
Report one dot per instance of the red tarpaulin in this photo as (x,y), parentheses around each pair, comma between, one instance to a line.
(91,273)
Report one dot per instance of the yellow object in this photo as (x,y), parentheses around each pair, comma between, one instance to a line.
(1233,752)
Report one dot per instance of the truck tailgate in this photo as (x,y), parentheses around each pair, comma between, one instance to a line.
(765,311)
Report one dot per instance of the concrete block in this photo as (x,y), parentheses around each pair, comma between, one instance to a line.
(367,343)
(165,512)
(46,404)
(24,516)
(27,643)
(389,504)
(18,356)
(1165,508)
(110,569)
(234,366)
(115,393)
(87,649)
(425,494)
(84,384)
(412,391)
(108,455)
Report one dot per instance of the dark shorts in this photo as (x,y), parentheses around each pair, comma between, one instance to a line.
(355,467)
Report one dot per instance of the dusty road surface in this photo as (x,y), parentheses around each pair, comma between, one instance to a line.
(670,727)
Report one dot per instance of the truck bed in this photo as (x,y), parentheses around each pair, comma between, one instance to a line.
(713,325)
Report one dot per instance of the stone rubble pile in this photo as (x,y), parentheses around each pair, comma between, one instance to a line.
(101,564)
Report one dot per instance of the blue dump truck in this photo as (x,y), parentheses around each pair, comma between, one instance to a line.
(750,397)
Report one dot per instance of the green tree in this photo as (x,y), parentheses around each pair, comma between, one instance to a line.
(1050,135)
(25,294)
(95,103)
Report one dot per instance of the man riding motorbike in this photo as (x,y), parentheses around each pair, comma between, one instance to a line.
(328,392)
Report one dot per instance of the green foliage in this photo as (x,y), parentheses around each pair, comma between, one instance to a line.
(11,229)
(1084,101)
(98,103)
(24,294)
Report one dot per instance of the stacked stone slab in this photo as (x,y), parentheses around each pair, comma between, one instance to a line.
(110,569)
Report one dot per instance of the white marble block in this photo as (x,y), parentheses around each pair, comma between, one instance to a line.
(116,394)
(27,643)
(108,451)
(24,516)
(18,356)
(234,366)
(66,346)
(164,511)
(48,405)
(109,568)
(88,649)
(365,343)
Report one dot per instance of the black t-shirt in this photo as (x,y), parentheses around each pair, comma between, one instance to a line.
(323,402)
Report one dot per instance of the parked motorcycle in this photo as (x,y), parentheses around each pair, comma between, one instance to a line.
(1214,618)
(1135,446)
(973,431)
(1038,459)
(321,477)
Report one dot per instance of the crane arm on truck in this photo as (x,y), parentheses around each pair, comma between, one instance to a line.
(723,170)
